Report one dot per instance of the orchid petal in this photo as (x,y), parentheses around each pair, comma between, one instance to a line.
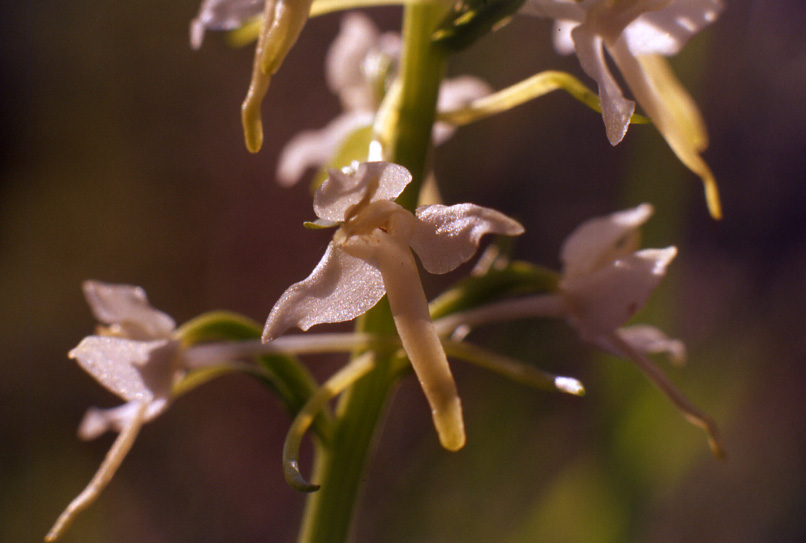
(357,36)
(678,104)
(127,307)
(601,301)
(311,148)
(460,91)
(97,421)
(454,94)
(222,15)
(616,110)
(134,370)
(447,236)
(339,289)
(554,9)
(348,69)
(563,42)
(601,240)
(667,30)
(673,111)
(369,182)
(649,340)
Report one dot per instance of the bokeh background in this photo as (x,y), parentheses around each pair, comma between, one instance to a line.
(122,160)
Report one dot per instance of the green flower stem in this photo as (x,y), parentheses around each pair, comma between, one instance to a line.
(339,469)
(421,71)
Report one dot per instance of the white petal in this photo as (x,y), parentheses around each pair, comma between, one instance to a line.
(453,94)
(565,10)
(599,241)
(616,110)
(667,30)
(313,148)
(673,112)
(345,58)
(134,370)
(127,306)
(339,289)
(222,15)
(649,340)
(447,236)
(600,302)
(97,421)
(370,182)
(460,91)
(561,35)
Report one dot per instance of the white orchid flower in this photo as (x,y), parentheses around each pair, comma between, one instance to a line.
(371,255)
(135,357)
(637,34)
(605,281)
(360,65)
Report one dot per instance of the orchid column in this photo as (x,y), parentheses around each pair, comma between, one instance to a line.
(329,511)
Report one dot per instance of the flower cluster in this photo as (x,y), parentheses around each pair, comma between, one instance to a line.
(141,356)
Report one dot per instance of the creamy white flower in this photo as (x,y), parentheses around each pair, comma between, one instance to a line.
(371,255)
(135,357)
(637,34)
(359,61)
(360,65)
(605,281)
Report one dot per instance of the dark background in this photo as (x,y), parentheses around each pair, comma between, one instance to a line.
(122,160)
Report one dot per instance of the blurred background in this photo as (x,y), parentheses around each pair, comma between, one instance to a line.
(122,160)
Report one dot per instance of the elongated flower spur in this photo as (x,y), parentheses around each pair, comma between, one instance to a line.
(637,34)
(283,21)
(605,281)
(371,255)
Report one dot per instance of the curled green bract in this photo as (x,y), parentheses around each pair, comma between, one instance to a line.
(343,378)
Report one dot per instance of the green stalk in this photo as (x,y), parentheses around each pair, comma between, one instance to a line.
(421,72)
(339,470)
